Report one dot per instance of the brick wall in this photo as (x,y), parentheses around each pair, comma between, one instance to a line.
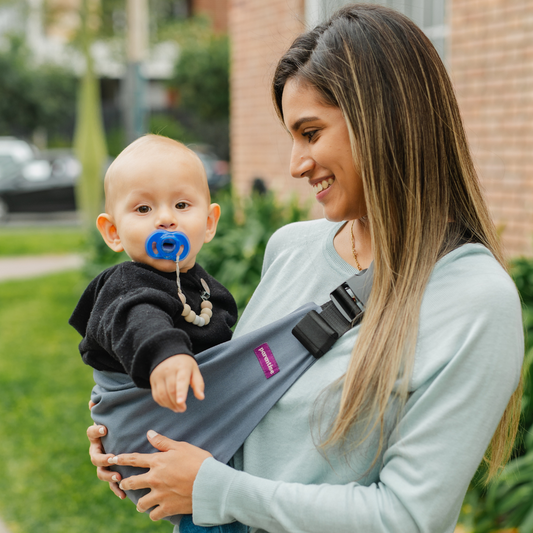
(216,9)
(261,31)
(490,58)
(491,63)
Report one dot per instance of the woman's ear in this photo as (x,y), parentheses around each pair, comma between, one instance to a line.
(213,216)
(109,232)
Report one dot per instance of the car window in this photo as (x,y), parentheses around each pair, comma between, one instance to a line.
(8,167)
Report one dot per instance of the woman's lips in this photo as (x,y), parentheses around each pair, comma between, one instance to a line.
(322,185)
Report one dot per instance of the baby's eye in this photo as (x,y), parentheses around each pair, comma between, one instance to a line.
(144,209)
(182,205)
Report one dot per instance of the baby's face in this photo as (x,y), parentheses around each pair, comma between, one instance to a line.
(161,191)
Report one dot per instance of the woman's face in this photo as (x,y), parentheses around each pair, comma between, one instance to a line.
(321,152)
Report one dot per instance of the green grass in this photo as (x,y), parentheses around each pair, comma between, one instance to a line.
(37,241)
(47,482)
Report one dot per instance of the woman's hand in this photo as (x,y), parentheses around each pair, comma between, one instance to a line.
(170,477)
(101,460)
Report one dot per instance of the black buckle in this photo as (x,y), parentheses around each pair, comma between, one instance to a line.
(345,300)
(315,334)
(319,332)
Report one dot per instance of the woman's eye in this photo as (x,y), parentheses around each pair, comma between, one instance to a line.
(144,209)
(182,205)
(309,135)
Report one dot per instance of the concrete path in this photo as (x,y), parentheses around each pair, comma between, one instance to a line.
(30,266)
(3,528)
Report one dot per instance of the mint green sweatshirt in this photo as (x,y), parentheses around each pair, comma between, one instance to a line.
(467,364)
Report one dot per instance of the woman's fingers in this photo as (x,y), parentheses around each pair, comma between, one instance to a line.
(104,474)
(116,490)
(96,432)
(170,477)
(141,460)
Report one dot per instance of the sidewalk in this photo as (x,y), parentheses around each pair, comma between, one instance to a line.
(3,527)
(29,266)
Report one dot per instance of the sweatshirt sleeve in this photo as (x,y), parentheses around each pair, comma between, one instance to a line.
(138,329)
(467,365)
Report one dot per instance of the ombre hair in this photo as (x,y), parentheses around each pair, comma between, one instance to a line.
(422,193)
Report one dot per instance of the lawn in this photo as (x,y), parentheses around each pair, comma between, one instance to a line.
(47,482)
(35,240)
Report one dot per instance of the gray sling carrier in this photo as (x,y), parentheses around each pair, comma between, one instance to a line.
(243,378)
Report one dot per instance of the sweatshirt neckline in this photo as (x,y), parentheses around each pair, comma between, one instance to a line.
(332,256)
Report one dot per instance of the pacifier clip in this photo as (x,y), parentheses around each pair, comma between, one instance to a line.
(168,245)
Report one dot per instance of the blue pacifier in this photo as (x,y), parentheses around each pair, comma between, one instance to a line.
(163,244)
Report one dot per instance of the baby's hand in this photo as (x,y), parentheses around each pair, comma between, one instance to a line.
(170,382)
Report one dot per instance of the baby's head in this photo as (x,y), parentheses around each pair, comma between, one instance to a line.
(157,183)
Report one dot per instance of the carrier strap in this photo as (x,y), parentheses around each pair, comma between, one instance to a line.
(318,331)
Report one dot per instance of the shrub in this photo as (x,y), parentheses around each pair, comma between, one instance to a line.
(507,501)
(235,256)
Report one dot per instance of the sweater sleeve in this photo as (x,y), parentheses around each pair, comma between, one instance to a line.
(467,365)
(138,329)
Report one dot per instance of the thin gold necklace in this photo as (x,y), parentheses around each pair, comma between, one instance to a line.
(353,247)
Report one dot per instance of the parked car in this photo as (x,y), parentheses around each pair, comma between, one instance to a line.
(217,170)
(33,181)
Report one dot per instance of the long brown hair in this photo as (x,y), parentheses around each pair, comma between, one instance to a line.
(421,189)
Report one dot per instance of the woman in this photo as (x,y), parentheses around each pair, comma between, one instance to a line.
(384,432)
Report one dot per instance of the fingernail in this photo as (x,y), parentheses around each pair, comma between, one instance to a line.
(101,431)
(152,434)
(121,487)
(114,478)
(113,460)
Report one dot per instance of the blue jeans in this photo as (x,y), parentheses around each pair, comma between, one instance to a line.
(187,526)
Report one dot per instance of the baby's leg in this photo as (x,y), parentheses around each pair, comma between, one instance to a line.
(187,526)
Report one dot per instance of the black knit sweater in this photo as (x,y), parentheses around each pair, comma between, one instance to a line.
(130,318)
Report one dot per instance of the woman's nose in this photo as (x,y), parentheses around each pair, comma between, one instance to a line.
(301,163)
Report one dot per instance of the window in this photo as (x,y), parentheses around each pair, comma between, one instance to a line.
(430,15)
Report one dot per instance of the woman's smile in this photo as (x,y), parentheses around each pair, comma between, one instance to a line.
(322,185)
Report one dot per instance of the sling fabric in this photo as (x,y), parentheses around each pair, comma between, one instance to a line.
(238,394)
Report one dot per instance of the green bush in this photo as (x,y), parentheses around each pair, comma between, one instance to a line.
(508,501)
(34,96)
(201,81)
(169,126)
(235,256)
(202,76)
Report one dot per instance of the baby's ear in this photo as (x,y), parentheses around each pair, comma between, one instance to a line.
(109,232)
(213,216)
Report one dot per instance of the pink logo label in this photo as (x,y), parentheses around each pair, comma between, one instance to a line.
(266,360)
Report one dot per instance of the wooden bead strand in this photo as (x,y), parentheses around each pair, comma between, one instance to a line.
(190,316)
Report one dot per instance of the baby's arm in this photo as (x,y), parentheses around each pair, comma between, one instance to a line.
(170,382)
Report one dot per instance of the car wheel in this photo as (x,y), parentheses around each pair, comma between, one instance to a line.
(4,210)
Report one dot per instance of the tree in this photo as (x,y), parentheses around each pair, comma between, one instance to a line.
(202,76)
(89,139)
(34,96)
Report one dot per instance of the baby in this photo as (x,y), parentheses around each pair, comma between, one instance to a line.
(132,318)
